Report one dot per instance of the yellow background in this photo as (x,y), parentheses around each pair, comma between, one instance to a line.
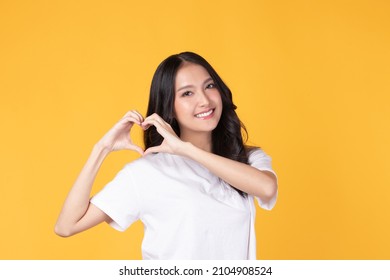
(310,78)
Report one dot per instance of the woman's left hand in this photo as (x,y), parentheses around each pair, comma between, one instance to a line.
(171,144)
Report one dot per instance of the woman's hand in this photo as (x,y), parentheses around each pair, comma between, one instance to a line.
(118,137)
(171,144)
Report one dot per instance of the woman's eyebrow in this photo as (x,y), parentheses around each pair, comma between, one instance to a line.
(183,87)
(189,86)
(208,80)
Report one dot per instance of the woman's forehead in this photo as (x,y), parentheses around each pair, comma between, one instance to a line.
(190,74)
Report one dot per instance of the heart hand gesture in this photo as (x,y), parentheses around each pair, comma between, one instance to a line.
(118,137)
(171,144)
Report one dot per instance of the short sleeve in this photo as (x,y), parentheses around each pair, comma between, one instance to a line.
(260,160)
(119,200)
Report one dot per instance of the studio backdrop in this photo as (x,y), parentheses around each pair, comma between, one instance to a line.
(310,79)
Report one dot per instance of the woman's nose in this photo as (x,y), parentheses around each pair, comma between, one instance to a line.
(204,100)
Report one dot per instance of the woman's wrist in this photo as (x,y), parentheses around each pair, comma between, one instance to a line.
(100,149)
(189,150)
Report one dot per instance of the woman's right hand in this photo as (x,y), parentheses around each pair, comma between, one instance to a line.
(118,137)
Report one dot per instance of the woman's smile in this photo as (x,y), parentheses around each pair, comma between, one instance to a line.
(205,115)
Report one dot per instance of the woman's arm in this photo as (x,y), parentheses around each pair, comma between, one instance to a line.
(246,178)
(242,176)
(78,214)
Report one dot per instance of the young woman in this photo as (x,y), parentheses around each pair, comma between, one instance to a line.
(194,185)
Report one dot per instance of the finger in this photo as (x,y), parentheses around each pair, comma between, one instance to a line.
(137,149)
(152,120)
(130,112)
(157,118)
(145,126)
(130,120)
(151,150)
(139,114)
(134,114)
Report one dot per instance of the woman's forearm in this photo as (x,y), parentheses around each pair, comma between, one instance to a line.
(77,201)
(242,176)
(78,214)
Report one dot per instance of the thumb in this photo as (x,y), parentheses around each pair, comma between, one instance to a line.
(136,149)
(151,150)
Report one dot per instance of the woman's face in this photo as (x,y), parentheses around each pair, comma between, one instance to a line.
(198,104)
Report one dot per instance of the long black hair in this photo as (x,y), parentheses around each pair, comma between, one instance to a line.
(227,137)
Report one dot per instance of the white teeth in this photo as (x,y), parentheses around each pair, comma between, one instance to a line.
(203,115)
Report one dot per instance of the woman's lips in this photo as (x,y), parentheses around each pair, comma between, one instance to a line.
(206,114)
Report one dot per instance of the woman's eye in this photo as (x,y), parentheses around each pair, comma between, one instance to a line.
(211,85)
(187,93)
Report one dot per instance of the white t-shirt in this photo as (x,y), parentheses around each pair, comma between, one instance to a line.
(187,212)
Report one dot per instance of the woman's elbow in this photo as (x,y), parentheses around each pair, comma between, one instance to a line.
(270,190)
(61,231)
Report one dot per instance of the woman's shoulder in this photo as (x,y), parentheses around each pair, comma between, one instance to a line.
(256,153)
(250,150)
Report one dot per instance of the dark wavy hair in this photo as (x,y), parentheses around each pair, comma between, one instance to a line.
(227,138)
